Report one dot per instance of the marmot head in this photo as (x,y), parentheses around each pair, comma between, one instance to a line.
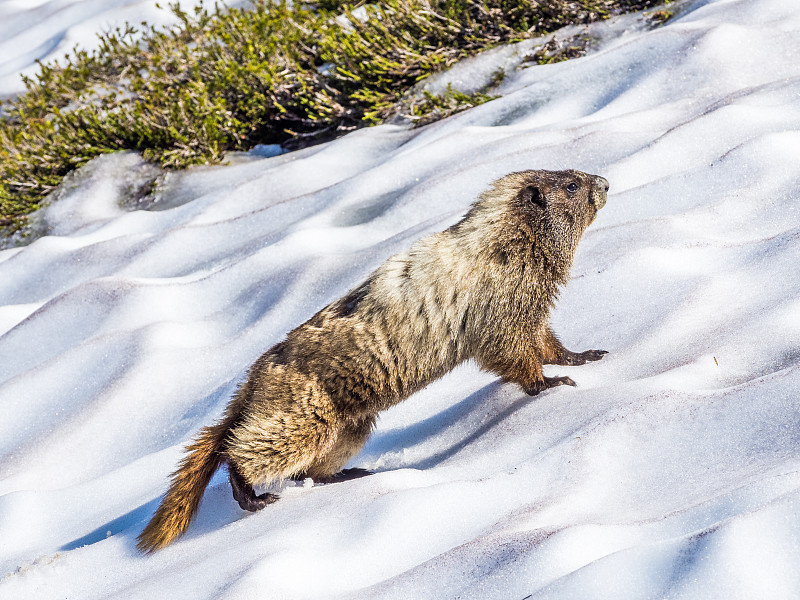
(562,201)
(548,210)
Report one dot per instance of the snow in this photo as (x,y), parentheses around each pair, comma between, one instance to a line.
(671,471)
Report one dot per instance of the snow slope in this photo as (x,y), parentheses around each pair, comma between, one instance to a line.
(46,30)
(672,471)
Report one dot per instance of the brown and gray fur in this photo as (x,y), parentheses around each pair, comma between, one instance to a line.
(481,290)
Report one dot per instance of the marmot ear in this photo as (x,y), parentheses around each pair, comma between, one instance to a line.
(531,195)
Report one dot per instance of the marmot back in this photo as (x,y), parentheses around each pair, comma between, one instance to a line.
(481,290)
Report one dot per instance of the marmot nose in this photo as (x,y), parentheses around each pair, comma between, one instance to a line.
(602,183)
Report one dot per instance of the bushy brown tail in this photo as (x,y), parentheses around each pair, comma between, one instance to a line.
(188,484)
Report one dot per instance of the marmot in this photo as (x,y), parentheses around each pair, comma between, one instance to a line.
(481,290)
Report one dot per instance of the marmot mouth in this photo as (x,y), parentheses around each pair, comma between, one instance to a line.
(600,192)
(598,199)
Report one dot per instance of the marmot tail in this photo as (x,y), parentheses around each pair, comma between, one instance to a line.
(188,484)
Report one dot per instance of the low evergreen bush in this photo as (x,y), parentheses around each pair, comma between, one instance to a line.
(278,72)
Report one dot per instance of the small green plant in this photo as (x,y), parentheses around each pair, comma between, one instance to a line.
(432,107)
(279,72)
(555,50)
(659,17)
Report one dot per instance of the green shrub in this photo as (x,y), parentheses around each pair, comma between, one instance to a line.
(278,72)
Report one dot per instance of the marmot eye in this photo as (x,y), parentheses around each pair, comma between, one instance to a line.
(572,187)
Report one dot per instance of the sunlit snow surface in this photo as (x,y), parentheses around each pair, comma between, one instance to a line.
(672,471)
